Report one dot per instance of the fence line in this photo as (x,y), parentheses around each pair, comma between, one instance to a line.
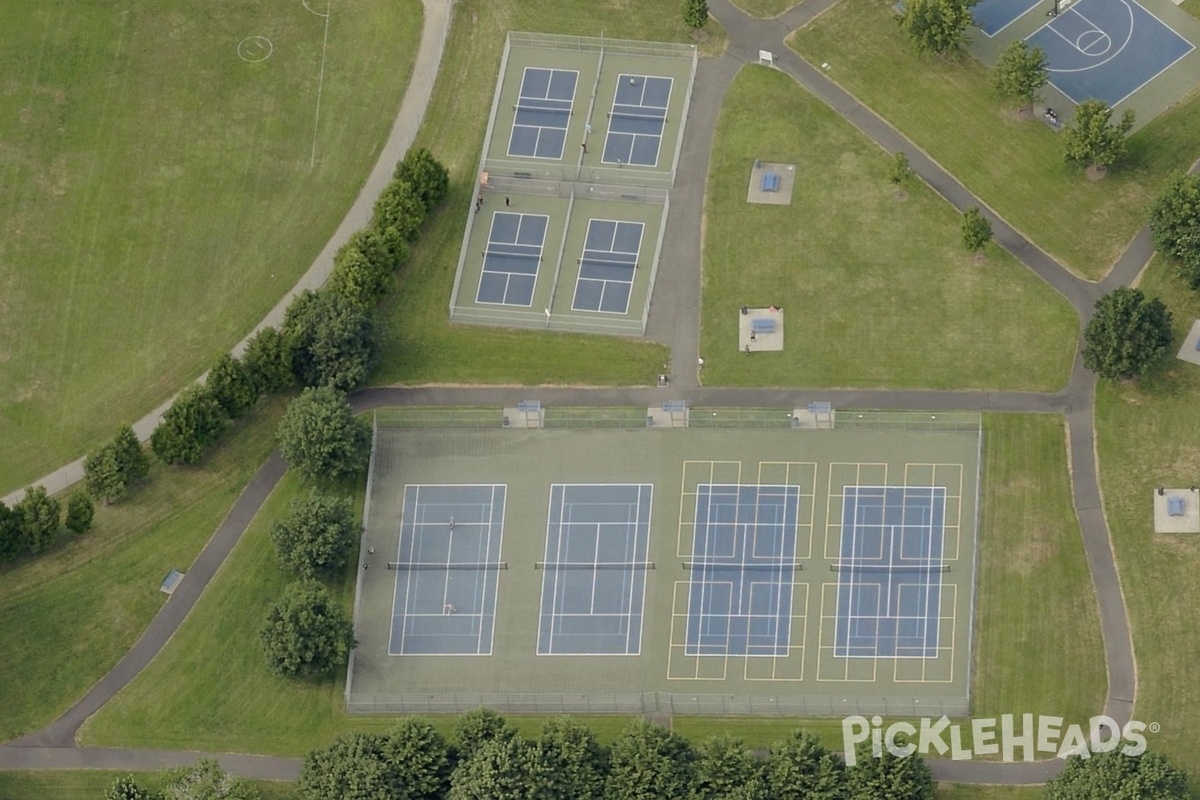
(593,44)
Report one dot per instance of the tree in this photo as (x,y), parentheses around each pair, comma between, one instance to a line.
(131,456)
(800,768)
(399,213)
(475,728)
(268,362)
(888,777)
(1092,139)
(232,386)
(193,422)
(1021,73)
(937,27)
(1126,334)
(695,13)
(207,781)
(568,762)
(428,178)
(976,230)
(80,511)
(1116,776)
(726,769)
(359,277)
(420,758)
(331,339)
(39,519)
(648,762)
(103,476)
(12,546)
(320,437)
(306,633)
(1175,224)
(499,769)
(354,767)
(126,788)
(901,172)
(316,536)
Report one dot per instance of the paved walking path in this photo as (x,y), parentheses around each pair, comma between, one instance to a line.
(676,323)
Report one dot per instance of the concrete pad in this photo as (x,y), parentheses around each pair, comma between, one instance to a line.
(787,179)
(1188,523)
(656,417)
(803,419)
(762,342)
(518,418)
(1189,352)
(171,582)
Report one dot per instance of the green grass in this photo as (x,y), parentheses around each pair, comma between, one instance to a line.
(160,196)
(1038,646)
(68,615)
(1014,166)
(420,346)
(1148,435)
(92,784)
(765,9)
(1191,6)
(876,291)
(960,791)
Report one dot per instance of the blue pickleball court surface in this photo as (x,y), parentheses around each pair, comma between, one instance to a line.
(512,259)
(890,574)
(743,571)
(1107,49)
(608,266)
(438,608)
(594,575)
(637,119)
(543,113)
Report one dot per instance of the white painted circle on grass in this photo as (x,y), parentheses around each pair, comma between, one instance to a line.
(253,49)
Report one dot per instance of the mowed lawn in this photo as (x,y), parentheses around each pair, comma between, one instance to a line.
(1149,436)
(1037,637)
(161,193)
(68,615)
(1015,166)
(877,291)
(420,346)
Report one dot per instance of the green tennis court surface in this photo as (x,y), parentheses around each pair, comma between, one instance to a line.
(633,569)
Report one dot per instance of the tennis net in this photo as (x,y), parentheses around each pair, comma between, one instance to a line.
(755,565)
(850,566)
(526,104)
(590,565)
(630,115)
(410,566)
(599,262)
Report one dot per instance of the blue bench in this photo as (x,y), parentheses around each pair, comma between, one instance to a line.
(770,182)
(762,325)
(1198,344)
(1175,506)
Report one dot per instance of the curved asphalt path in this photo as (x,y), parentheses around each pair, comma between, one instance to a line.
(678,324)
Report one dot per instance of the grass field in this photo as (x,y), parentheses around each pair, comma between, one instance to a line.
(68,615)
(1149,436)
(162,193)
(877,291)
(1015,166)
(91,785)
(420,346)
(1038,648)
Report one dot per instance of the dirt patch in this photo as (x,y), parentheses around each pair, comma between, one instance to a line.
(1095,173)
(899,195)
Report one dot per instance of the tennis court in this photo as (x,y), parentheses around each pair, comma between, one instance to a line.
(594,572)
(637,120)
(993,16)
(693,570)
(448,557)
(607,266)
(890,573)
(512,258)
(542,113)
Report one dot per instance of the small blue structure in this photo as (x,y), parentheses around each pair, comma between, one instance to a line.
(770,182)
(529,406)
(171,582)
(1176,506)
(762,325)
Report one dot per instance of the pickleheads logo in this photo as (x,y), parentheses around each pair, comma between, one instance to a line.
(1001,736)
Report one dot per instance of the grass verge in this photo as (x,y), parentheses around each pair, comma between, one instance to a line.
(877,291)
(420,346)
(67,616)
(162,192)
(1148,435)
(1015,166)
(92,784)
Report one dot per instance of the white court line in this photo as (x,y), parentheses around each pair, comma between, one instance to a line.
(320,84)
(1075,47)
(1010,22)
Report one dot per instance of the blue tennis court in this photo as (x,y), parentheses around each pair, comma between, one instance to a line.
(890,573)
(1107,49)
(447,570)
(512,258)
(543,113)
(742,572)
(594,575)
(607,267)
(637,120)
(993,16)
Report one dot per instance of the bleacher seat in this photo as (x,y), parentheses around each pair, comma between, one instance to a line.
(770,182)
(1175,506)
(762,326)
